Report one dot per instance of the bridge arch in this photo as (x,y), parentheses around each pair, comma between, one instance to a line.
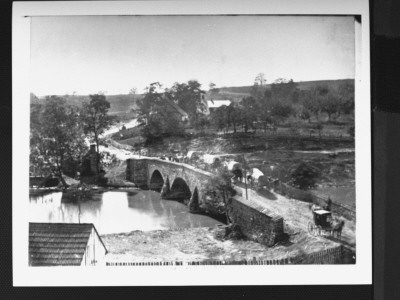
(156,181)
(180,190)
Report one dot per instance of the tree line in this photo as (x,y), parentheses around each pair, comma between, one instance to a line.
(59,133)
(266,107)
(159,119)
(270,107)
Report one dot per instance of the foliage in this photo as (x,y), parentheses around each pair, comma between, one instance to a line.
(346,94)
(331,105)
(351,131)
(190,98)
(258,88)
(304,114)
(284,90)
(310,102)
(133,91)
(155,115)
(305,176)
(248,114)
(95,119)
(220,190)
(55,136)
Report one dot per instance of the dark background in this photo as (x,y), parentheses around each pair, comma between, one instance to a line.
(385,113)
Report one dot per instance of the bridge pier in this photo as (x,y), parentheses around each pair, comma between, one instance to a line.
(165,190)
(194,202)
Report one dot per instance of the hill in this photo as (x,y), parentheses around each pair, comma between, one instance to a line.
(236,93)
(118,103)
(122,104)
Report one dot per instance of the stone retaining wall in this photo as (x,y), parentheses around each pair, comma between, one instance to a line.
(256,223)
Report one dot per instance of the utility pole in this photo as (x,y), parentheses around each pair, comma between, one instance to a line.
(245,182)
(79,208)
(139,146)
(244,166)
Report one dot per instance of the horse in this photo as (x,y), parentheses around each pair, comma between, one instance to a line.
(337,229)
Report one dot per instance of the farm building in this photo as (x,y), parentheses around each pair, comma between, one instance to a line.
(214,104)
(174,108)
(64,244)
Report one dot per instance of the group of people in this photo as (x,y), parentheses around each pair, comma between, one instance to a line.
(170,158)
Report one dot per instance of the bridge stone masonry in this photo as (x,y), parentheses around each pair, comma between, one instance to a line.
(179,180)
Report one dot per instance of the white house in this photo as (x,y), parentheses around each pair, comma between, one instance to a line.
(214,104)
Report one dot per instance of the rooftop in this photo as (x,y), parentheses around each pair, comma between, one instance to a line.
(54,244)
(218,103)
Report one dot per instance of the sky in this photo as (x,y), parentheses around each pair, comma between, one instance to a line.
(88,54)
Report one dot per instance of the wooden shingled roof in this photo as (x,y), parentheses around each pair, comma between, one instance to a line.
(55,244)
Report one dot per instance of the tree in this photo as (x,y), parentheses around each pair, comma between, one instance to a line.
(155,115)
(248,112)
(56,136)
(220,191)
(258,88)
(133,91)
(284,90)
(190,98)
(346,95)
(304,114)
(260,79)
(281,111)
(310,102)
(305,176)
(331,105)
(95,120)
(219,117)
(264,110)
(145,106)
(233,116)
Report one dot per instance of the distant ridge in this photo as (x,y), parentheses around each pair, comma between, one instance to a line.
(303,85)
(118,103)
(124,103)
(236,92)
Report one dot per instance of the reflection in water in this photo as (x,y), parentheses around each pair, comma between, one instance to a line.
(118,212)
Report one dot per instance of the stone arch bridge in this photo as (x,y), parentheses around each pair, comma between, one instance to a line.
(171,179)
(178,180)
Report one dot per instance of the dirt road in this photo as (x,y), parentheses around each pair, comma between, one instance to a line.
(297,215)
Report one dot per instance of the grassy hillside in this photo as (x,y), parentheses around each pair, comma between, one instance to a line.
(236,93)
(118,103)
(122,104)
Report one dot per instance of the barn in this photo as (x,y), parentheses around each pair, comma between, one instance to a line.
(65,244)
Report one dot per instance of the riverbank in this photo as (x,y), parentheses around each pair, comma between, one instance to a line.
(202,244)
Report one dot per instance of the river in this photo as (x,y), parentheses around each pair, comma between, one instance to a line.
(116,211)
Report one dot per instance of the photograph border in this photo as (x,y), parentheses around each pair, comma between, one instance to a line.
(360,273)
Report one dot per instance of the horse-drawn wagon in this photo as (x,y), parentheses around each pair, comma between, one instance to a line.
(324,224)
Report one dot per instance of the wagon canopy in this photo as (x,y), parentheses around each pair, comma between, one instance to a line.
(256,173)
(210,159)
(233,165)
(322,212)
(193,154)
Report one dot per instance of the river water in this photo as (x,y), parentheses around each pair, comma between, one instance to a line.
(115,212)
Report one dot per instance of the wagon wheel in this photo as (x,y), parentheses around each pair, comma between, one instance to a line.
(311,228)
(319,230)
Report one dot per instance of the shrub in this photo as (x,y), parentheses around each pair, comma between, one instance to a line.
(305,176)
